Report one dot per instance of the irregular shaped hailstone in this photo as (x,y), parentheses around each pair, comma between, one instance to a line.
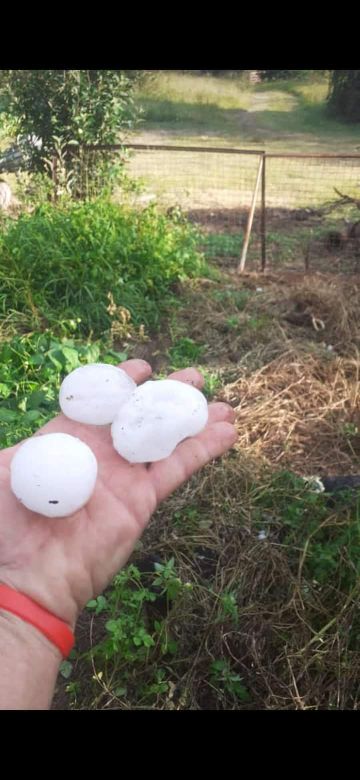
(93,394)
(53,474)
(158,416)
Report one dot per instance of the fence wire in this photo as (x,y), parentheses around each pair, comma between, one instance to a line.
(312,212)
(306,182)
(209,180)
(304,200)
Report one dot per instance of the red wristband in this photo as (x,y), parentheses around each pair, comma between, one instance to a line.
(55,630)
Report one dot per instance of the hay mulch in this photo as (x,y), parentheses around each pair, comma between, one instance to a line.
(301,412)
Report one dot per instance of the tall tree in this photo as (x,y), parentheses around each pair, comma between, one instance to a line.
(344,95)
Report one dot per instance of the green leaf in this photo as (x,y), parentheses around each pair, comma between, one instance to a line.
(101,604)
(37,360)
(65,669)
(92,353)
(121,691)
(57,358)
(31,416)
(119,356)
(148,641)
(5,390)
(111,626)
(36,399)
(8,415)
(71,358)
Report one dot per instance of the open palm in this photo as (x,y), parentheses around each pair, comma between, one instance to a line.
(62,563)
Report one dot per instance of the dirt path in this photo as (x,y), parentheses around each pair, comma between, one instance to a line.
(245,121)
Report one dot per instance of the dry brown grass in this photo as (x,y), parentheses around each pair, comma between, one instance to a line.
(294,643)
(294,412)
(246,527)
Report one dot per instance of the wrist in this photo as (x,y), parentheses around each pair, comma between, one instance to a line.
(45,622)
(29,665)
(59,603)
(25,638)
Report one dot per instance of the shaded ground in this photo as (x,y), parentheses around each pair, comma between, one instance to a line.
(297,240)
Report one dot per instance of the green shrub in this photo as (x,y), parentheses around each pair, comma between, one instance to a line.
(66,109)
(31,370)
(62,263)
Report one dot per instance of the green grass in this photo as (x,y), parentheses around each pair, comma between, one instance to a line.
(95,262)
(222,245)
(271,115)
(280,116)
(180,100)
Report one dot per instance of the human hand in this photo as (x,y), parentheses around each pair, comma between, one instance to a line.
(63,563)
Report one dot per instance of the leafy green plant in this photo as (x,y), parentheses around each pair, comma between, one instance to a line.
(62,263)
(239,298)
(66,109)
(327,543)
(160,685)
(127,633)
(31,370)
(130,632)
(187,518)
(350,430)
(228,607)
(230,682)
(166,580)
(222,244)
(135,638)
(213,381)
(232,322)
(185,352)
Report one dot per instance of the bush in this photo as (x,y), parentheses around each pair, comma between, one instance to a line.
(31,371)
(62,263)
(69,107)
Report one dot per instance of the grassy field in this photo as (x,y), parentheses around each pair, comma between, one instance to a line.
(275,117)
(270,116)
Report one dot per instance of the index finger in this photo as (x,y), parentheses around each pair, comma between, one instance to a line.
(190,376)
(137,369)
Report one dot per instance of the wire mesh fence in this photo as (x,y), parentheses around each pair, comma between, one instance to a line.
(208,179)
(312,212)
(308,205)
(296,182)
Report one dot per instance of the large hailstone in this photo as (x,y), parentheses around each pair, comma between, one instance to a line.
(93,393)
(53,474)
(158,416)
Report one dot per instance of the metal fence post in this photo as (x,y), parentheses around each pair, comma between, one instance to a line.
(241,265)
(263,215)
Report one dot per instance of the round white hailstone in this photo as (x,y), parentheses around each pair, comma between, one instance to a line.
(157,417)
(93,393)
(53,474)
